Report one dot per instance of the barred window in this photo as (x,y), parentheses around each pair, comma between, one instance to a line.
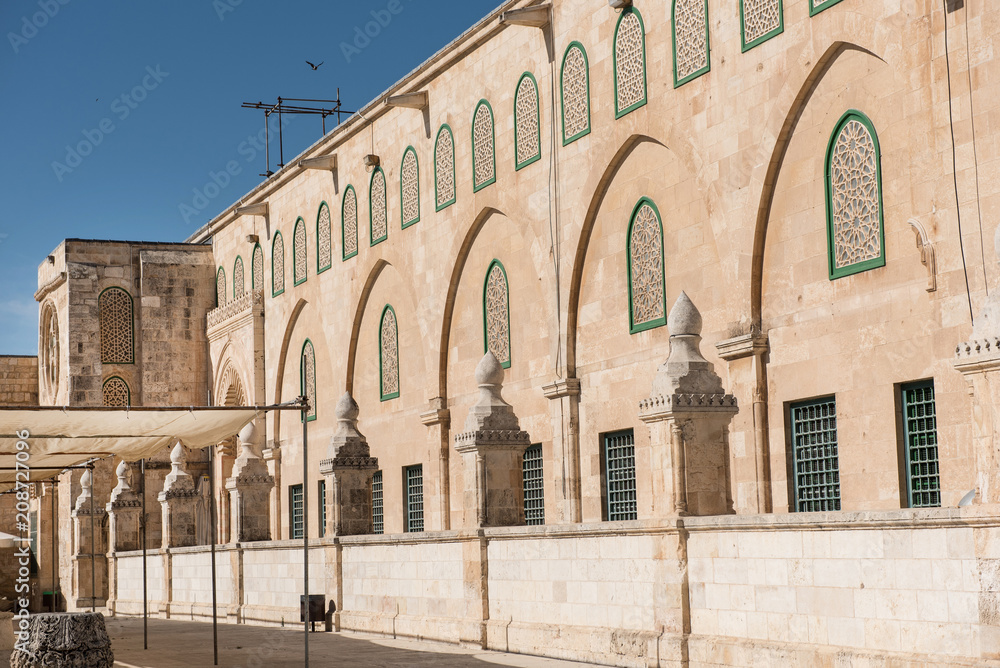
(277,265)
(496,313)
(483,158)
(296,513)
(409,187)
(378,521)
(619,476)
(647,293)
(533,485)
(116,393)
(307,372)
(300,269)
(239,282)
(115,314)
(855,235)
(444,168)
(760,20)
(389,354)
(257,268)
(527,123)
(349,222)
(691,43)
(378,212)
(220,287)
(630,63)
(414,476)
(923,475)
(324,241)
(322,508)
(575,80)
(816,463)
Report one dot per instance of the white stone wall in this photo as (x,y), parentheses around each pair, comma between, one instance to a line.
(272,577)
(130,578)
(192,578)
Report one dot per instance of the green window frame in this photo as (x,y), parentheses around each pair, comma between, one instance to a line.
(277,265)
(439,168)
(321,488)
(324,236)
(922,464)
(570,138)
(296,513)
(116,315)
(239,285)
(350,198)
(307,378)
(681,80)
(533,485)
(414,219)
(815,460)
(622,111)
(378,177)
(520,163)
(388,360)
(816,6)
(478,185)
(492,298)
(618,468)
(852,115)
(760,39)
(257,269)
(413,493)
(378,510)
(220,287)
(300,253)
(123,383)
(633,289)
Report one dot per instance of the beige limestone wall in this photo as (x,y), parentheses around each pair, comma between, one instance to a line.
(191,582)
(272,581)
(19,377)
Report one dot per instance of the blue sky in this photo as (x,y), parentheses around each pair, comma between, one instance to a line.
(118,113)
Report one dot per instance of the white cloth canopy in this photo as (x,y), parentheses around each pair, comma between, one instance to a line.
(61,437)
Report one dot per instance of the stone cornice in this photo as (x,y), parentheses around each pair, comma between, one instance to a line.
(328,466)
(742,346)
(492,439)
(663,407)
(563,387)
(46,289)
(978,355)
(436,416)
(235,314)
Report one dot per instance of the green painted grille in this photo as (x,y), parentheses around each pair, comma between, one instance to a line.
(415,498)
(817,466)
(920,429)
(619,462)
(534,493)
(322,508)
(378,523)
(298,528)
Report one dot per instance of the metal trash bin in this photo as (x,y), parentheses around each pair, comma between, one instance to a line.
(317,613)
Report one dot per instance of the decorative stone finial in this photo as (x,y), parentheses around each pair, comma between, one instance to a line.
(248,434)
(87,481)
(684,318)
(347,443)
(490,412)
(489,371)
(178,480)
(122,473)
(177,458)
(686,371)
(347,409)
(84,501)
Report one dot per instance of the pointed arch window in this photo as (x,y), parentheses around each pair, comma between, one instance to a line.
(220,287)
(378,213)
(575,79)
(307,378)
(484,167)
(647,293)
(816,6)
(444,168)
(349,223)
(527,123)
(300,257)
(115,393)
(257,268)
(239,279)
(324,239)
(277,265)
(115,313)
(409,187)
(496,313)
(760,20)
(630,62)
(691,41)
(388,349)
(855,235)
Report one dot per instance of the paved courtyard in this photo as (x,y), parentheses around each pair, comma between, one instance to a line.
(184,644)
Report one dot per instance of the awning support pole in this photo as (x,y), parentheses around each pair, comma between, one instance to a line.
(93,556)
(52,551)
(305,516)
(215,616)
(145,605)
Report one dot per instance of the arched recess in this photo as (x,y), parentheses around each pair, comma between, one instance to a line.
(359,313)
(230,388)
(282,360)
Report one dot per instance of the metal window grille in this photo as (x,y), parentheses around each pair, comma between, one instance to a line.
(619,468)
(817,466)
(920,431)
(378,522)
(297,525)
(322,508)
(415,498)
(534,492)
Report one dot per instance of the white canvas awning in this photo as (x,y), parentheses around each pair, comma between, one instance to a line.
(60,437)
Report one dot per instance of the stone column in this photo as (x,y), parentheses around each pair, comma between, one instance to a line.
(492,450)
(250,492)
(438,420)
(272,457)
(178,501)
(348,470)
(124,512)
(688,415)
(565,396)
(88,517)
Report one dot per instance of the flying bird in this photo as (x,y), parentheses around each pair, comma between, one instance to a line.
(315,67)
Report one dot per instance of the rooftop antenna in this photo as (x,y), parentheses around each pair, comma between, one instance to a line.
(282,107)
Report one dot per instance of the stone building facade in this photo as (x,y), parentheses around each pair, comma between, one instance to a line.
(628,335)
